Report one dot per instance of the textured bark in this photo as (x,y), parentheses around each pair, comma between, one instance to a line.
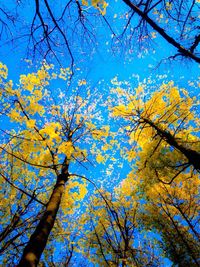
(38,240)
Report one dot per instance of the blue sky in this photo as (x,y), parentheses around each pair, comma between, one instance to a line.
(109,56)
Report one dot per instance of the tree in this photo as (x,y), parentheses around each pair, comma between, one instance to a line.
(49,139)
(163,132)
(114,237)
(173,210)
(18,225)
(180,15)
(49,32)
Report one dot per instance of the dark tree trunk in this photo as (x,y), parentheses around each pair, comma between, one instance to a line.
(192,155)
(38,239)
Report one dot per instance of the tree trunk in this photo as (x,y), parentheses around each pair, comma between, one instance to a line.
(38,239)
(192,155)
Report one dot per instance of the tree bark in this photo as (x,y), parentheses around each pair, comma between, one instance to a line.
(38,239)
(192,155)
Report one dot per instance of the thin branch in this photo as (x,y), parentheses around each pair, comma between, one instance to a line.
(161,31)
(23,191)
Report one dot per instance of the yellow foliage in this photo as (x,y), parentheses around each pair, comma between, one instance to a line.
(120,110)
(30,123)
(82,82)
(51,129)
(131,154)
(67,203)
(98,134)
(3,71)
(100,158)
(15,116)
(74,192)
(101,5)
(106,147)
(66,148)
(85,2)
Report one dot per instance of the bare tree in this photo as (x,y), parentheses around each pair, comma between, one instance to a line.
(165,17)
(65,30)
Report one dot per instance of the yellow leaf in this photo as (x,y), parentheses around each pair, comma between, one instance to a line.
(84,2)
(66,148)
(30,123)
(82,82)
(100,158)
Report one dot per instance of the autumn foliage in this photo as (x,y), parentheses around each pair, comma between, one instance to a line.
(53,147)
